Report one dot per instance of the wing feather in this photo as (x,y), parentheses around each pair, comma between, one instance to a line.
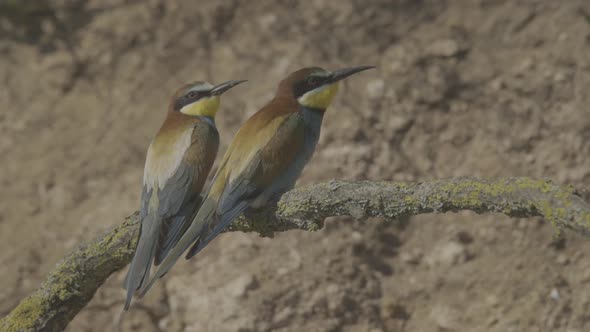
(170,201)
(180,195)
(262,170)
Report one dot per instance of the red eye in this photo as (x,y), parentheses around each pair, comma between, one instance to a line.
(192,94)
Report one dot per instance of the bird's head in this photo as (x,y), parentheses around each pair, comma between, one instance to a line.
(201,98)
(314,87)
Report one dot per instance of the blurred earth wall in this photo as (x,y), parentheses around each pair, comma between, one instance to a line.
(463,88)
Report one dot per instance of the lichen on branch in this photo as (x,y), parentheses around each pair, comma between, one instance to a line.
(75,279)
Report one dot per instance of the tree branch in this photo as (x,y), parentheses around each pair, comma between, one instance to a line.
(73,282)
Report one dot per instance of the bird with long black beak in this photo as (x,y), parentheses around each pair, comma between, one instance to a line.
(178,161)
(264,159)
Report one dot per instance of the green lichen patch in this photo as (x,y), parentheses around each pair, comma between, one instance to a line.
(25,317)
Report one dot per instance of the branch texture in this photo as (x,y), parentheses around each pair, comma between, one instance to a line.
(75,279)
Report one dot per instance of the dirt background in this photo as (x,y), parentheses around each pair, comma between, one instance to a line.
(463,88)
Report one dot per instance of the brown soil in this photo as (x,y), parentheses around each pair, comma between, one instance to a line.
(483,87)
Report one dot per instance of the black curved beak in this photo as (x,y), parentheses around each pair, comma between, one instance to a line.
(221,88)
(344,73)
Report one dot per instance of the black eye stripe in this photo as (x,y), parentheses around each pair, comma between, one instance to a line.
(308,84)
(192,95)
(186,99)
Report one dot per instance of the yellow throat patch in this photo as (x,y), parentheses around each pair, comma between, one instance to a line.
(319,98)
(206,106)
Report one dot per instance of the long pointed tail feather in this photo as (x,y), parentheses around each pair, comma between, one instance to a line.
(139,269)
(191,235)
(176,227)
(220,224)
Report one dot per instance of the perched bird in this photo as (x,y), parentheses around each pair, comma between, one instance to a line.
(178,161)
(265,157)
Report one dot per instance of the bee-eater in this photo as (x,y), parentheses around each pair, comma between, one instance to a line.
(264,159)
(178,161)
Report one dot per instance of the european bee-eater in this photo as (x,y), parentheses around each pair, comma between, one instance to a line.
(178,161)
(265,157)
